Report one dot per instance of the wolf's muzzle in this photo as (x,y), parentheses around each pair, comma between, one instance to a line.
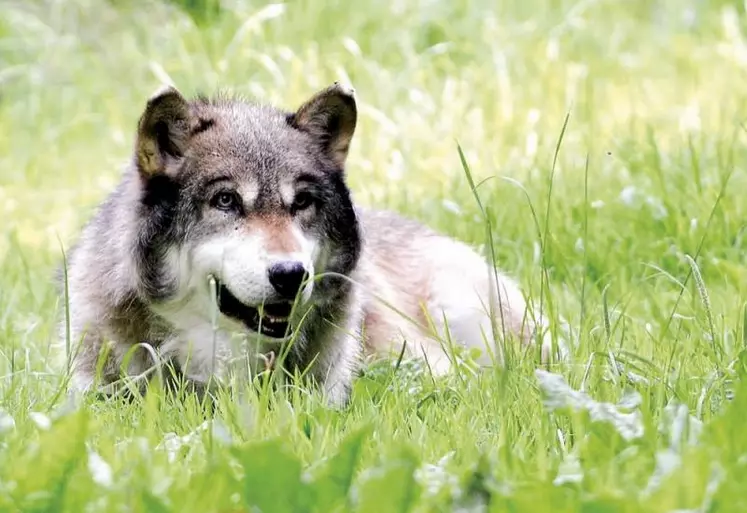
(270,319)
(287,277)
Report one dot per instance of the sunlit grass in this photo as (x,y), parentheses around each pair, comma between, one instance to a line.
(634,242)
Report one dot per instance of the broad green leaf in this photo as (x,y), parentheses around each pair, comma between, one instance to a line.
(332,480)
(153,504)
(43,480)
(391,487)
(272,477)
(215,487)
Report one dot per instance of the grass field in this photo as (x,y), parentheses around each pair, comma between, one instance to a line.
(631,235)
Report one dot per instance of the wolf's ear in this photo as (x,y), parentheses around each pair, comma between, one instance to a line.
(163,132)
(330,117)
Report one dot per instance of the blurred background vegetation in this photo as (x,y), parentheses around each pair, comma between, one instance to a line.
(650,172)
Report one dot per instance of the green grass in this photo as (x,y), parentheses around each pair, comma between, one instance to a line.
(634,240)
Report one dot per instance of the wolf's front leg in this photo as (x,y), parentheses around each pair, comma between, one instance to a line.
(100,365)
(335,369)
(338,388)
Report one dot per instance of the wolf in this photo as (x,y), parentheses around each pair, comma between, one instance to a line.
(233,224)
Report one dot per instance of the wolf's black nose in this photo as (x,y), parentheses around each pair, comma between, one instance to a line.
(286,278)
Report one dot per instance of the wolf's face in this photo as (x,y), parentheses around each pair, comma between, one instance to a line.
(249,195)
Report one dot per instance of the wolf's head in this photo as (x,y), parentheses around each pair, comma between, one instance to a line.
(250,195)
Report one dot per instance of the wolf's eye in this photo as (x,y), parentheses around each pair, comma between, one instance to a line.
(225,201)
(302,201)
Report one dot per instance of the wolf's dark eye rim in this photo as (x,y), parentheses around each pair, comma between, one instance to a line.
(302,201)
(225,200)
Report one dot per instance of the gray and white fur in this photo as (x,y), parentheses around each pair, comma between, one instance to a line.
(255,198)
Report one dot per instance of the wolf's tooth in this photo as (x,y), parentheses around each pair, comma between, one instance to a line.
(274,319)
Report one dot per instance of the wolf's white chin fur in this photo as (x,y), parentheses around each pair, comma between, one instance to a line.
(240,262)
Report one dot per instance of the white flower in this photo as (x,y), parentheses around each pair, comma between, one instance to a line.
(101,472)
(41,420)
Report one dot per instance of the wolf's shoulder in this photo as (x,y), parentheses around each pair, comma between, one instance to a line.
(383,227)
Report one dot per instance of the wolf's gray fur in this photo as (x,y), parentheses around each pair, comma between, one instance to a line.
(238,191)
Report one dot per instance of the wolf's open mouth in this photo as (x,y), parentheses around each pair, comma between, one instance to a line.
(270,320)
